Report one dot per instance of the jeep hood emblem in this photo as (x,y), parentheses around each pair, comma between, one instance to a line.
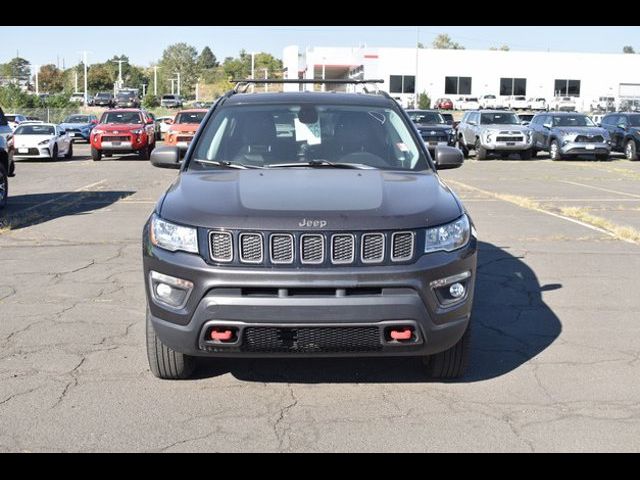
(312,223)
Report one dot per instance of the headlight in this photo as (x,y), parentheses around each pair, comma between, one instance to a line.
(448,237)
(449,131)
(97,131)
(487,137)
(44,142)
(137,132)
(173,237)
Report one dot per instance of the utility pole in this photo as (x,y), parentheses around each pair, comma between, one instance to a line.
(144,89)
(197,90)
(266,71)
(172,80)
(253,68)
(178,80)
(155,80)
(84,60)
(415,78)
(37,67)
(75,71)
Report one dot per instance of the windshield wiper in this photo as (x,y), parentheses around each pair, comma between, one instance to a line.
(323,163)
(225,163)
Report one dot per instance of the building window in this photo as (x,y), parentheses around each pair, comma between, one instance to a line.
(513,86)
(402,84)
(567,88)
(457,85)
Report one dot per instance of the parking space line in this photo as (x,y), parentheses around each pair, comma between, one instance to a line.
(600,188)
(530,204)
(57,199)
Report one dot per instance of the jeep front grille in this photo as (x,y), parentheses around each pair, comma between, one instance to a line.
(372,248)
(281,248)
(343,248)
(312,248)
(251,248)
(221,246)
(320,249)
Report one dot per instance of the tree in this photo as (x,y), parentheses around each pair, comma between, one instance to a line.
(180,58)
(420,45)
(628,49)
(424,102)
(207,59)
(240,68)
(100,78)
(50,79)
(444,42)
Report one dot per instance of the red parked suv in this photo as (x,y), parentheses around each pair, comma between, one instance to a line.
(129,130)
(444,104)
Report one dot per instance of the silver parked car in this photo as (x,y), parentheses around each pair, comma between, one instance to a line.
(493,131)
(566,134)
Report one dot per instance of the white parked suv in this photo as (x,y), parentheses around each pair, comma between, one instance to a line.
(563,104)
(537,104)
(469,103)
(490,102)
(518,102)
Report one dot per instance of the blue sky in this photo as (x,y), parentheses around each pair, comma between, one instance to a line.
(144,45)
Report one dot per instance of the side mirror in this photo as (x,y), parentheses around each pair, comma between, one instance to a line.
(547,126)
(150,121)
(448,157)
(622,126)
(472,122)
(166,157)
(94,121)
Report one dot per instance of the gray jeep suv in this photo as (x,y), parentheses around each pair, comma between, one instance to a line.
(566,134)
(493,131)
(308,224)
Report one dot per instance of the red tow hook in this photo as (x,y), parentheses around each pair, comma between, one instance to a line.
(404,334)
(221,335)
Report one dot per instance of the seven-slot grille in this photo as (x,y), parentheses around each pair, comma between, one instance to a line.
(251,248)
(283,248)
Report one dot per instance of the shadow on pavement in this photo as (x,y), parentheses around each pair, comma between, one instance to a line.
(27,210)
(511,325)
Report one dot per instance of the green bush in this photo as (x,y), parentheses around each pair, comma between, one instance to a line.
(424,102)
(150,101)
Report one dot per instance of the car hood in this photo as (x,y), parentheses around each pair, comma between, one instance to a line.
(75,125)
(506,128)
(280,199)
(29,140)
(184,127)
(119,127)
(438,127)
(581,130)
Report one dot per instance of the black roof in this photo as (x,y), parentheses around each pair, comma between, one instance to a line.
(326,98)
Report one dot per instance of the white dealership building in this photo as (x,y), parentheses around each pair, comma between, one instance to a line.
(463,73)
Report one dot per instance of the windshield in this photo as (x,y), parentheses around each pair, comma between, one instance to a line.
(35,130)
(634,120)
(168,97)
(472,99)
(572,121)
(263,136)
(103,95)
(121,117)
(490,97)
(124,95)
(77,119)
(10,118)
(190,117)
(498,119)
(426,117)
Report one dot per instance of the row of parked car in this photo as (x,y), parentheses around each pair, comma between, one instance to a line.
(502,132)
(118,131)
(520,102)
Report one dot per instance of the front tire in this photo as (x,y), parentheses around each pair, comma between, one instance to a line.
(481,152)
(96,154)
(526,154)
(630,150)
(462,148)
(54,153)
(554,151)
(451,363)
(165,362)
(4,187)
(69,154)
(145,153)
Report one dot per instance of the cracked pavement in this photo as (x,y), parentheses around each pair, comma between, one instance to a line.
(555,345)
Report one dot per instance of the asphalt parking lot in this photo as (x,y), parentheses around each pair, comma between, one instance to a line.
(556,341)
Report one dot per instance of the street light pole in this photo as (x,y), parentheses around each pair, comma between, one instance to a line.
(415,79)
(155,80)
(144,89)
(178,75)
(172,80)
(37,67)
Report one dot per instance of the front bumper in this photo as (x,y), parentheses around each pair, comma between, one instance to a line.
(507,145)
(260,297)
(579,148)
(39,152)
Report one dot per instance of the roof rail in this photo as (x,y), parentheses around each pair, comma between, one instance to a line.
(243,85)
